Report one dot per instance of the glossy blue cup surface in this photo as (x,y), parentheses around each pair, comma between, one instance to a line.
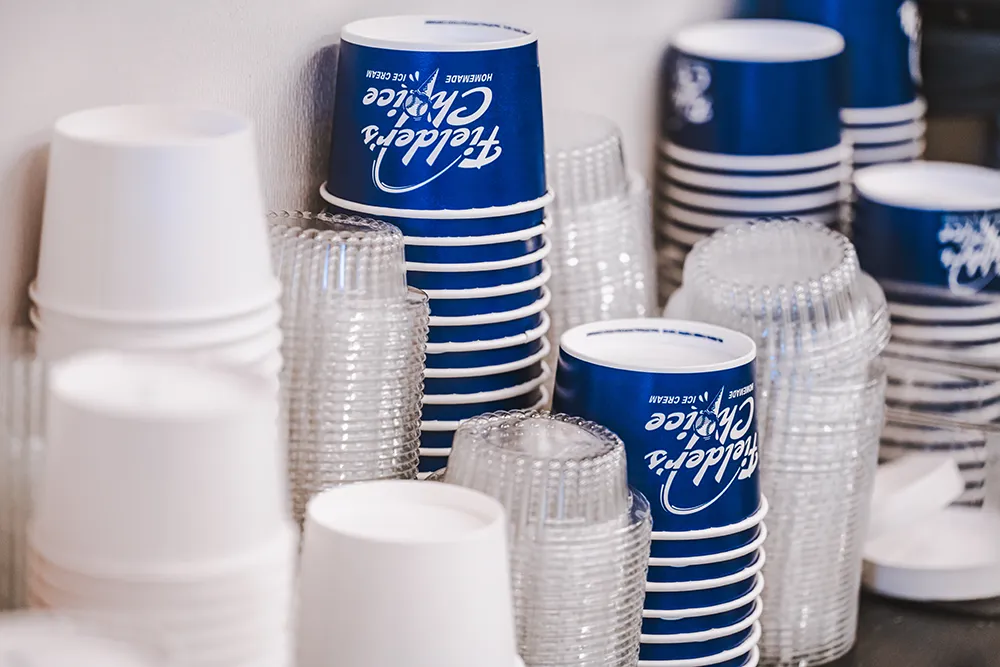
(484,305)
(709,597)
(435,280)
(472,385)
(690,429)
(704,547)
(666,626)
(700,572)
(834,162)
(436,439)
(415,128)
(449,254)
(457,412)
(473,332)
(432,463)
(486,357)
(430,227)
(693,650)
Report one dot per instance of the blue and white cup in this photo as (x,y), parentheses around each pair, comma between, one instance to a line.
(474,275)
(930,224)
(702,643)
(681,395)
(490,353)
(436,436)
(699,619)
(754,88)
(705,592)
(485,300)
(503,324)
(491,248)
(456,407)
(458,225)
(489,378)
(436,113)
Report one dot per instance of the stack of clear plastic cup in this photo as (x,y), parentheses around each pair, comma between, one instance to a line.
(154,240)
(163,497)
(354,350)
(22,420)
(602,244)
(54,640)
(579,538)
(820,324)
(750,130)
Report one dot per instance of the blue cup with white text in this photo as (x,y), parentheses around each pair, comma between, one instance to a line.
(681,395)
(754,88)
(932,225)
(436,113)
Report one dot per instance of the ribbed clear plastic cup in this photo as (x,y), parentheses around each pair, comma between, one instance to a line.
(584,159)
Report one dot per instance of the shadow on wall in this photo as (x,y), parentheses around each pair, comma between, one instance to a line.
(25,183)
(323,76)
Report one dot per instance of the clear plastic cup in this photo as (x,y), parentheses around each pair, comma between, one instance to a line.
(584,160)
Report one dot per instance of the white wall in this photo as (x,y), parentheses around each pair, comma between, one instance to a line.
(266,58)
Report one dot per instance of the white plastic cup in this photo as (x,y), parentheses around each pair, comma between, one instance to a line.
(158,467)
(154,213)
(387,565)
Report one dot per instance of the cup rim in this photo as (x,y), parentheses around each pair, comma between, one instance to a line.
(796,161)
(480,371)
(720,531)
(749,647)
(500,290)
(435,452)
(489,396)
(929,186)
(574,343)
(829,176)
(761,205)
(885,115)
(759,41)
(708,584)
(707,635)
(904,151)
(884,135)
(707,221)
(931,333)
(697,612)
(443,426)
(495,343)
(955,314)
(491,239)
(497,317)
(476,267)
(391,33)
(711,559)
(438,214)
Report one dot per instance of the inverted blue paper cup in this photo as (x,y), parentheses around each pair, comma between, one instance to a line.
(703,220)
(746,654)
(665,548)
(487,352)
(476,275)
(439,435)
(456,407)
(764,204)
(681,395)
(436,439)
(683,621)
(703,644)
(512,220)
(884,38)
(459,250)
(486,300)
(430,464)
(740,87)
(755,165)
(473,385)
(489,326)
(714,566)
(437,113)
(929,224)
(705,593)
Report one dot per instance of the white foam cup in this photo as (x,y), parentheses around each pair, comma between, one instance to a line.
(385,565)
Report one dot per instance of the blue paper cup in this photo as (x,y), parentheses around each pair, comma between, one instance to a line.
(486,300)
(756,88)
(713,566)
(905,151)
(761,204)
(883,38)
(697,180)
(704,593)
(929,224)
(432,462)
(702,221)
(456,407)
(435,435)
(510,221)
(437,113)
(481,353)
(682,621)
(490,326)
(784,166)
(459,250)
(695,645)
(485,383)
(475,275)
(745,655)
(681,395)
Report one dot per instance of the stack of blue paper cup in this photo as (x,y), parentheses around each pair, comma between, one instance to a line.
(438,129)
(883,116)
(681,395)
(751,129)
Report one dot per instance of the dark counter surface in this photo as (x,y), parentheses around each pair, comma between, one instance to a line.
(898,634)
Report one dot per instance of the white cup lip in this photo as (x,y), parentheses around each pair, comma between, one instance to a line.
(480,371)
(983,392)
(492,239)
(496,343)
(439,214)
(711,222)
(957,314)
(443,426)
(500,290)
(685,236)
(575,343)
(931,186)
(708,584)
(720,531)
(722,557)
(762,205)
(680,614)
(488,396)
(826,157)
(885,115)
(916,333)
(707,635)
(747,647)
(473,267)
(826,177)
(886,135)
(906,151)
(759,41)
(410,33)
(925,352)
(493,318)
(435,452)
(324,512)
(151,125)
(229,310)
